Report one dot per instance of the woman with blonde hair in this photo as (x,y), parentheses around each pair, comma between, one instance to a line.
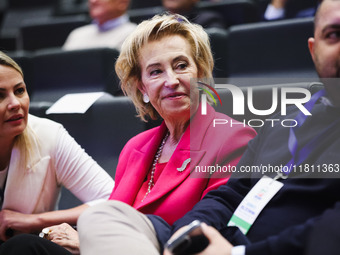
(159,66)
(37,157)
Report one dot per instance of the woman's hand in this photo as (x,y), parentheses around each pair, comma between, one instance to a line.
(14,222)
(65,236)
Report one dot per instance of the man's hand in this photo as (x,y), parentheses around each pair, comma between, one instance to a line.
(176,234)
(218,244)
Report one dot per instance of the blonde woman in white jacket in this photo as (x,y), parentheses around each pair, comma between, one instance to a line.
(37,158)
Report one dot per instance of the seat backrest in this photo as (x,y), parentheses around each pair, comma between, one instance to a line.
(218,41)
(137,4)
(18,12)
(137,15)
(271,49)
(71,7)
(31,3)
(233,11)
(50,34)
(58,72)
(102,131)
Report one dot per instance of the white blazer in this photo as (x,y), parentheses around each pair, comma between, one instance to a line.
(58,161)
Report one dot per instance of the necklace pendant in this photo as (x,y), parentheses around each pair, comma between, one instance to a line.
(184,165)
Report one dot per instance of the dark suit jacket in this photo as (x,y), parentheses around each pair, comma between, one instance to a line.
(284,224)
(325,235)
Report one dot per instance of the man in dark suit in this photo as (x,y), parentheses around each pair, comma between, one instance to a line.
(325,236)
(312,188)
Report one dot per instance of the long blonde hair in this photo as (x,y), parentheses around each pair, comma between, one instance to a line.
(23,141)
(128,67)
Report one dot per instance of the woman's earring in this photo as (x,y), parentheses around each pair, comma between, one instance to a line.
(146,98)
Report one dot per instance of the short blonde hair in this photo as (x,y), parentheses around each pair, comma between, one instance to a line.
(128,67)
(24,140)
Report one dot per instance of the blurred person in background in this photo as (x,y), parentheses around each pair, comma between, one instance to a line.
(110,26)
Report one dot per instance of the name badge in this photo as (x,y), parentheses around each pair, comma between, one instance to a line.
(254,202)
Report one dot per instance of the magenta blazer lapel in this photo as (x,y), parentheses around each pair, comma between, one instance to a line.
(171,178)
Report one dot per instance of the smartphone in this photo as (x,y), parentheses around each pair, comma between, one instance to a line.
(190,242)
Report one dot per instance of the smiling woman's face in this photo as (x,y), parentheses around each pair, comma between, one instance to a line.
(167,66)
(14,103)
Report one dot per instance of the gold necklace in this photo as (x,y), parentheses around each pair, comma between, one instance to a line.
(155,162)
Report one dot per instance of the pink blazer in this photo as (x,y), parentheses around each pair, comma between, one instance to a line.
(175,193)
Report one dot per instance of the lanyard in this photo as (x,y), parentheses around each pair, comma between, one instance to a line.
(266,188)
(298,156)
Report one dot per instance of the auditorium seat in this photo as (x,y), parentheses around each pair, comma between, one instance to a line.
(102,131)
(137,15)
(3,7)
(270,49)
(71,7)
(50,34)
(57,72)
(218,41)
(233,11)
(17,13)
(137,4)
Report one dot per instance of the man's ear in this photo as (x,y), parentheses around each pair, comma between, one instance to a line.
(311,44)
